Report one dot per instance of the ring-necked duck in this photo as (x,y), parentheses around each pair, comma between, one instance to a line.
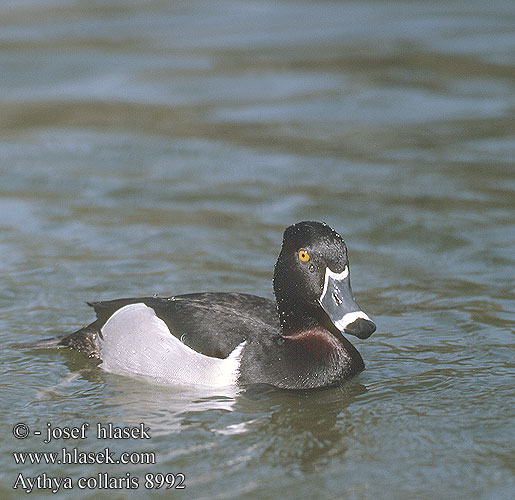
(220,339)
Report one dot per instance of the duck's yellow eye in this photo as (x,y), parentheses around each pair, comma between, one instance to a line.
(303,255)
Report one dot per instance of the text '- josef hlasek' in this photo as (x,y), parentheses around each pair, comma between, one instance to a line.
(75,456)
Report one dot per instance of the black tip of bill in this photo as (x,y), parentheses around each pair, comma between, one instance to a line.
(361,328)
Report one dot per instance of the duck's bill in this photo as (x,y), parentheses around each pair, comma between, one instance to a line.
(341,308)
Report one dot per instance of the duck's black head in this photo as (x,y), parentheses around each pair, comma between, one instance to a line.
(312,283)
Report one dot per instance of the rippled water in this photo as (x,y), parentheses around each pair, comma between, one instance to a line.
(162,147)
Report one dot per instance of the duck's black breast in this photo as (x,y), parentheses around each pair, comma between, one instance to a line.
(309,360)
(211,323)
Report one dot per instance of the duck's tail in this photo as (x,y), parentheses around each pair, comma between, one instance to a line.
(53,343)
(84,340)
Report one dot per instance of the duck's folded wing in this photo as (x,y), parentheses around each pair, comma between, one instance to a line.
(211,323)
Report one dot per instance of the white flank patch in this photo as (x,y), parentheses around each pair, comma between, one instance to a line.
(349,318)
(136,341)
(335,276)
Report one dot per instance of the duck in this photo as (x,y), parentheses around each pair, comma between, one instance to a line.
(220,339)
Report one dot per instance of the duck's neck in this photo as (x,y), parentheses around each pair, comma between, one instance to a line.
(307,323)
(296,319)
